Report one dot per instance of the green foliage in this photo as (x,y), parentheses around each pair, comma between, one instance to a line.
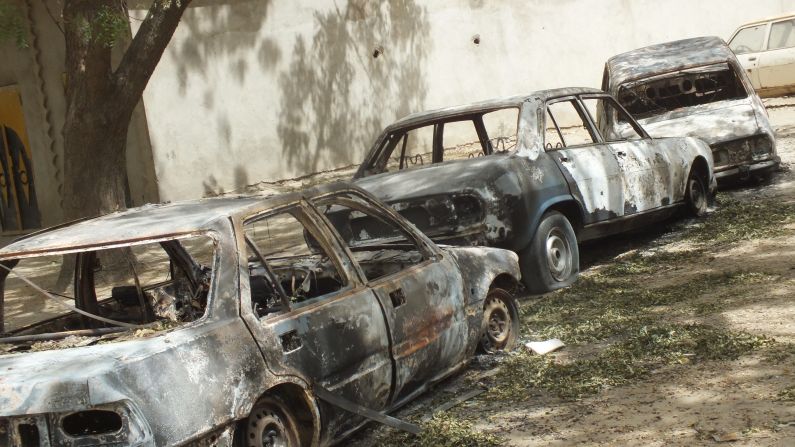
(612,303)
(781,353)
(736,220)
(443,430)
(12,24)
(617,308)
(787,394)
(645,349)
(107,27)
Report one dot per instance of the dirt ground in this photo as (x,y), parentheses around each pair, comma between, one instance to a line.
(734,279)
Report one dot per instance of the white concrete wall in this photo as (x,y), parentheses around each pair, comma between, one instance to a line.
(260,90)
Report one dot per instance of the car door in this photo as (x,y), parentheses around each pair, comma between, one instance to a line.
(747,44)
(420,289)
(589,166)
(323,323)
(777,64)
(644,166)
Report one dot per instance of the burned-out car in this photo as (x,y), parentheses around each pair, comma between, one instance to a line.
(244,321)
(696,87)
(534,174)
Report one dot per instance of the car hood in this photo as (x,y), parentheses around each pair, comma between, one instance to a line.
(713,123)
(52,381)
(452,176)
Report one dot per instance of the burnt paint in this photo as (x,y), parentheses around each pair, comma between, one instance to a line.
(716,123)
(231,358)
(517,188)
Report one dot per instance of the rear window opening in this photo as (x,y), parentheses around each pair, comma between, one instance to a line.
(693,87)
(77,299)
(456,138)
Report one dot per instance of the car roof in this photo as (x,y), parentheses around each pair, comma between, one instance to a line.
(486,106)
(667,57)
(153,222)
(768,19)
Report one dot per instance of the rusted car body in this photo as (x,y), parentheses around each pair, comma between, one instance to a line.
(696,87)
(535,174)
(234,349)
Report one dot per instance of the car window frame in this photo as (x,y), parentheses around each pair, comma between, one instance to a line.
(352,281)
(765,38)
(430,251)
(214,307)
(584,116)
(618,108)
(437,143)
(770,33)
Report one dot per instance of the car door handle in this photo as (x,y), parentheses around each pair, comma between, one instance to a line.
(564,159)
(397,297)
(621,153)
(290,341)
(751,59)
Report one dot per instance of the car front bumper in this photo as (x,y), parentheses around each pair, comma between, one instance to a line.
(743,171)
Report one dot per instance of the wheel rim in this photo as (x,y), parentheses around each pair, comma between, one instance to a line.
(558,255)
(697,196)
(498,324)
(267,430)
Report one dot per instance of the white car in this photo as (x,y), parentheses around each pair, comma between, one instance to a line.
(766,50)
(696,87)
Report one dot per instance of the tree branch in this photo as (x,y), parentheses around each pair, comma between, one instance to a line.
(146,49)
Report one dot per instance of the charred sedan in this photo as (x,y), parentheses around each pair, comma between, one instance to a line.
(237,321)
(534,174)
(696,87)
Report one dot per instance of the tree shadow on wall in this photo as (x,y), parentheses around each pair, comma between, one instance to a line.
(220,36)
(335,93)
(232,28)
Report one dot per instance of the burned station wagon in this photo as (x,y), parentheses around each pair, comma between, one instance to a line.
(244,321)
(534,174)
(696,87)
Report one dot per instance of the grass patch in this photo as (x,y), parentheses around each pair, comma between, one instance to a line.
(615,306)
(600,306)
(640,263)
(647,348)
(443,430)
(787,394)
(780,353)
(737,220)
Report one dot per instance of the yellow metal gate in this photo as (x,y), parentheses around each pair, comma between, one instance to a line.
(18,206)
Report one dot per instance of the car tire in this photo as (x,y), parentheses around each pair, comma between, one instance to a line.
(552,260)
(271,423)
(696,195)
(500,328)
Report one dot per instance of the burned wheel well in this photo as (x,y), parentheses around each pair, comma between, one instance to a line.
(300,409)
(700,168)
(572,211)
(506,282)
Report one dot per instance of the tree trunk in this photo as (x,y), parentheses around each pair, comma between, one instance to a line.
(95,165)
(100,103)
(100,100)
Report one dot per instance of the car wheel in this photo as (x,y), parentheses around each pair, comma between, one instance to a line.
(697,196)
(270,424)
(552,260)
(500,322)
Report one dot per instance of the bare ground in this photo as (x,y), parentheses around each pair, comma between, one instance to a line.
(739,288)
